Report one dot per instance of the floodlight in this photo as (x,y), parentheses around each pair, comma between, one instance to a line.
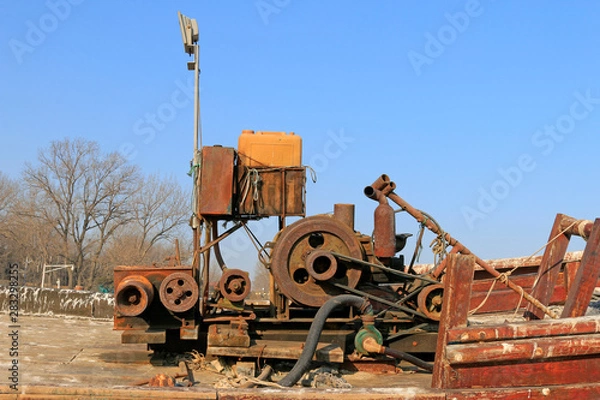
(189,32)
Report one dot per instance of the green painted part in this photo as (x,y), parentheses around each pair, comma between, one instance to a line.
(365,332)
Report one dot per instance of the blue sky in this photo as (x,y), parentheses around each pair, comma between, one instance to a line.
(484,113)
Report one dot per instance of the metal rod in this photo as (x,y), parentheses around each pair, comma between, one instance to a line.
(404,299)
(197,119)
(404,332)
(383,268)
(378,299)
(223,236)
(418,215)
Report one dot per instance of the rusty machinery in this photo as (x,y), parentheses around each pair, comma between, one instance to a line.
(311,261)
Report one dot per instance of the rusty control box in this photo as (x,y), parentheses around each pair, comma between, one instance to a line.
(217,181)
(270,183)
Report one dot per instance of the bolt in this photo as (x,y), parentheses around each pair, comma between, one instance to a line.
(133,298)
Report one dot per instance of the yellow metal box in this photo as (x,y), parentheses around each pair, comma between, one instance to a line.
(270,149)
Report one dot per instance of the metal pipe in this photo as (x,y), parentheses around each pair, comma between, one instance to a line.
(384,235)
(381,182)
(371,345)
(133,295)
(576,227)
(345,214)
(375,194)
(217,248)
(460,248)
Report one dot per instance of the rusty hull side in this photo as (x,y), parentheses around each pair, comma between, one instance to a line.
(554,352)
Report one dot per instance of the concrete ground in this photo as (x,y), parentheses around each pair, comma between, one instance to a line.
(86,353)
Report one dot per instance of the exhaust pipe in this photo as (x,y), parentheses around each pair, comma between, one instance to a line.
(384,236)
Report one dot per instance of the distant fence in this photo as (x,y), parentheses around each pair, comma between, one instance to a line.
(38,301)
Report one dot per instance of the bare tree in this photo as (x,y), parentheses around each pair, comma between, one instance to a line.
(8,194)
(160,211)
(260,281)
(160,208)
(25,240)
(84,195)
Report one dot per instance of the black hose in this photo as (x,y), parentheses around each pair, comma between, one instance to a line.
(315,332)
(407,357)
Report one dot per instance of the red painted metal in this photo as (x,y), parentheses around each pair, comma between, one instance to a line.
(531,353)
(549,268)
(457,289)
(586,276)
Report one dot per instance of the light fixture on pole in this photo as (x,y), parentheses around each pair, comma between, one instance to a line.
(190,37)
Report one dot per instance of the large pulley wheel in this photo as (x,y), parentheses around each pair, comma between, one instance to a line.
(430,301)
(178,292)
(301,263)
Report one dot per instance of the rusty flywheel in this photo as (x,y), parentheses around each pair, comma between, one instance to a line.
(302,265)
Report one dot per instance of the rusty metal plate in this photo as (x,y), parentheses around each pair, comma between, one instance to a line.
(216,188)
(144,336)
(220,335)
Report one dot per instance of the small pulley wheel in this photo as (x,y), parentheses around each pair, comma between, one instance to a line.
(430,301)
(235,285)
(179,292)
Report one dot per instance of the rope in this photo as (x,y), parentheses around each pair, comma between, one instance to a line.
(251,180)
(504,277)
(260,248)
(313,174)
(487,296)
(439,244)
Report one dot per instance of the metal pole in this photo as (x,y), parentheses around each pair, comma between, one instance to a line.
(197,137)
(197,116)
